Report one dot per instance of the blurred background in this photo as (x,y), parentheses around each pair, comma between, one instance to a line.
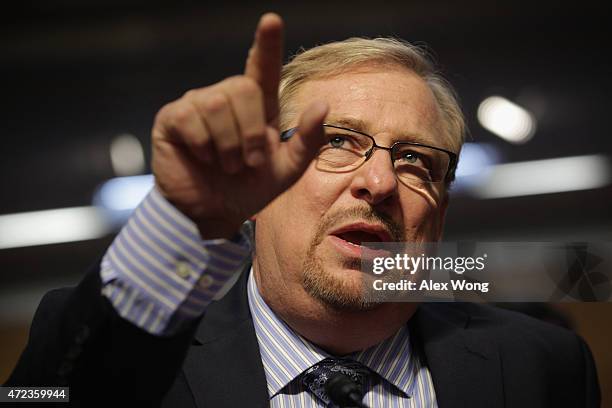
(82,81)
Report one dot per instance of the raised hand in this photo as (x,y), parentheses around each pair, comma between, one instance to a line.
(217,154)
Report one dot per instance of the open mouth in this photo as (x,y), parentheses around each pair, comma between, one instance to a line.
(357,238)
(354,238)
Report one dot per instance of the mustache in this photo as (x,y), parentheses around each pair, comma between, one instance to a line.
(355,214)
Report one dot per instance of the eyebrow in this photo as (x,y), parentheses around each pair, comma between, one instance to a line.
(361,126)
(351,123)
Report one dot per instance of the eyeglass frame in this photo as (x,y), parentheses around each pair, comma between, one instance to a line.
(452,164)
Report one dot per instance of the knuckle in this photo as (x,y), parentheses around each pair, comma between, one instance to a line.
(244,85)
(215,102)
(191,94)
(248,86)
(182,114)
(163,114)
(201,142)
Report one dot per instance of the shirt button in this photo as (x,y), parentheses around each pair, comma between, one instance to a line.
(183,270)
(205,281)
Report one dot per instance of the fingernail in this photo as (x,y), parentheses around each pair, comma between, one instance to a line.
(255,158)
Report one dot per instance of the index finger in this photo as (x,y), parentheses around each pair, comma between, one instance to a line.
(265,61)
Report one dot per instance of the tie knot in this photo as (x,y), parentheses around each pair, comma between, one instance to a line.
(319,375)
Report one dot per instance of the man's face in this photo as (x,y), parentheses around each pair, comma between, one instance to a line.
(306,238)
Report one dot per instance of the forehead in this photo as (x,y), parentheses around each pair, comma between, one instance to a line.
(390,103)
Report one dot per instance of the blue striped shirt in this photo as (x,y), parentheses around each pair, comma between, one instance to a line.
(160,275)
(286,355)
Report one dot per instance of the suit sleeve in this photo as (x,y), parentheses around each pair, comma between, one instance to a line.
(78,340)
(592,397)
(122,334)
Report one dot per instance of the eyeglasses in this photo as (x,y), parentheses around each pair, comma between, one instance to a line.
(414,163)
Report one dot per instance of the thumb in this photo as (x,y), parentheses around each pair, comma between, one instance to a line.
(297,153)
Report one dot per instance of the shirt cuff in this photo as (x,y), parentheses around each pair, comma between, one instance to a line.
(160,275)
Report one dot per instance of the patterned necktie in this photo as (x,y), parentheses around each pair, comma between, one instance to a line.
(319,374)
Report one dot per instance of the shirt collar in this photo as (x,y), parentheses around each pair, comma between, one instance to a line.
(285,354)
(393,360)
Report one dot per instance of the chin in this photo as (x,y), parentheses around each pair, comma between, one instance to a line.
(339,287)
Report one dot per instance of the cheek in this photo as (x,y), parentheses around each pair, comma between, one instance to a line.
(420,214)
(316,193)
(303,206)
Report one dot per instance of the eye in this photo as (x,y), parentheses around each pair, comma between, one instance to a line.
(415,162)
(346,141)
(411,157)
(337,141)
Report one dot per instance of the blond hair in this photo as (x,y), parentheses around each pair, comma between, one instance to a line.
(337,57)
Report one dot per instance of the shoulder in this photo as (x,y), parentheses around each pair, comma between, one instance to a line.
(536,358)
(519,338)
(51,304)
(507,327)
(55,298)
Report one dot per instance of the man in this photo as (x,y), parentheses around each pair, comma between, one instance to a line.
(370,138)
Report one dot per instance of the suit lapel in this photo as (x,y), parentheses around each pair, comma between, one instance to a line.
(223,367)
(463,361)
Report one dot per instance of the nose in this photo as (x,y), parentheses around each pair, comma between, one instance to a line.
(375,180)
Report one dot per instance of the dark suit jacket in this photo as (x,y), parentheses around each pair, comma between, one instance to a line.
(478,356)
